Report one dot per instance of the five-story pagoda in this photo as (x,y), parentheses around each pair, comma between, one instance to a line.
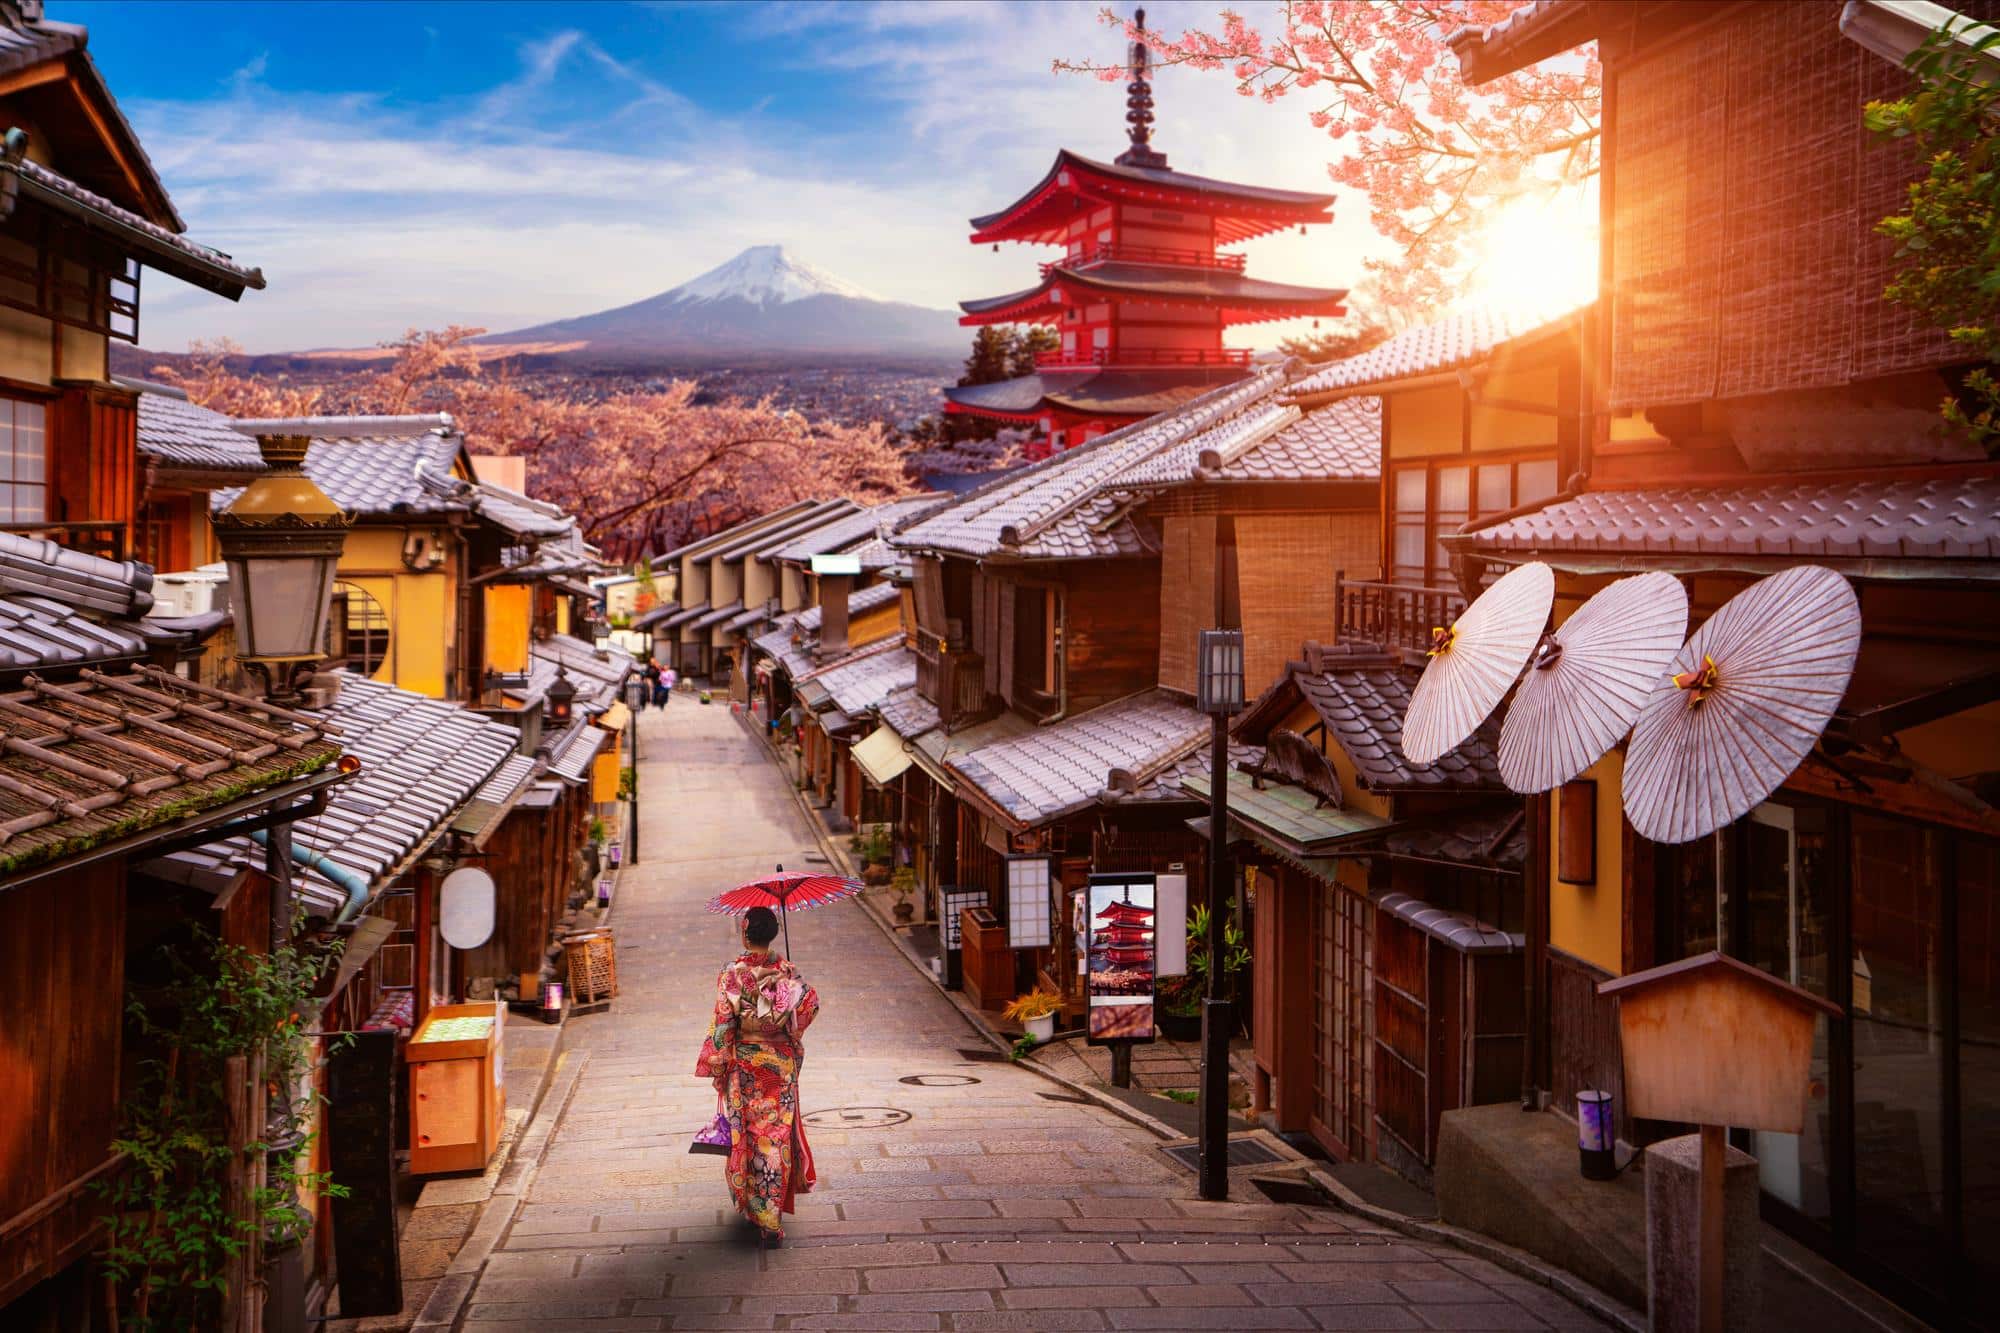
(1143,291)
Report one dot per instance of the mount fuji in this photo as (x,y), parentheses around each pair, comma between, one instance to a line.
(765,300)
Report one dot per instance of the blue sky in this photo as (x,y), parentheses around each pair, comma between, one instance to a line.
(400,164)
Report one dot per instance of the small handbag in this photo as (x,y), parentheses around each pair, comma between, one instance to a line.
(715,1138)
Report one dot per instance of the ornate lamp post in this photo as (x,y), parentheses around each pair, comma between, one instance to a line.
(281,541)
(1219,693)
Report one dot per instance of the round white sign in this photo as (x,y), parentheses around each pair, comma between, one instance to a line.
(465,908)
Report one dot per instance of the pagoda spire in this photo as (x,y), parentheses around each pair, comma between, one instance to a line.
(1139,106)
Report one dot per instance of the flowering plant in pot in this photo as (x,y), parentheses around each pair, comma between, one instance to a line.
(1036,1011)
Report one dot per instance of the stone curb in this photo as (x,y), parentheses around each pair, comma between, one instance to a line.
(1518,1262)
(447,1301)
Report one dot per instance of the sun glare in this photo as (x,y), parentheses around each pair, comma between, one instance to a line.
(1538,255)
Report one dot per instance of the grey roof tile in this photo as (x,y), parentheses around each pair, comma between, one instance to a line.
(1456,340)
(1953,517)
(908,713)
(856,528)
(179,434)
(862,679)
(1052,770)
(1362,708)
(383,477)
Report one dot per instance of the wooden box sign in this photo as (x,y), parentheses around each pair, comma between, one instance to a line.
(989,962)
(1712,1040)
(457,1095)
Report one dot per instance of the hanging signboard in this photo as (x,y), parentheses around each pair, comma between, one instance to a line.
(1120,958)
(1170,923)
(466,907)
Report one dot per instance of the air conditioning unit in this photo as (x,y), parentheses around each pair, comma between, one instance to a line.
(191,592)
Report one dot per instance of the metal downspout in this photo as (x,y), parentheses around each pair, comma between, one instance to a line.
(348,882)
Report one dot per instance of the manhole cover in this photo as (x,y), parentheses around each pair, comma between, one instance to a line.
(1242,1152)
(937,1080)
(856,1117)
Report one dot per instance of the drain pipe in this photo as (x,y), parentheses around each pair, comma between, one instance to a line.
(355,887)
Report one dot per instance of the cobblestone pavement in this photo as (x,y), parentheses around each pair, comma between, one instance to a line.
(995,1205)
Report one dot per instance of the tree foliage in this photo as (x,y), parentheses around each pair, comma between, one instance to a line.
(1948,240)
(1432,157)
(642,471)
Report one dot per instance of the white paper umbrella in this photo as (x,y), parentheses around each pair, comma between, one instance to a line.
(1475,660)
(1749,695)
(1587,683)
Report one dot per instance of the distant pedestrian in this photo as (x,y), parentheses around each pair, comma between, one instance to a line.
(649,680)
(664,691)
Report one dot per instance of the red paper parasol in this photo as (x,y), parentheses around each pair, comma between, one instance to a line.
(785,891)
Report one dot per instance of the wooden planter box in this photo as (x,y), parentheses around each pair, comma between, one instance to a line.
(457,1098)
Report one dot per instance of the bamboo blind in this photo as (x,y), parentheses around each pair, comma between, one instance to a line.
(1285,577)
(1187,594)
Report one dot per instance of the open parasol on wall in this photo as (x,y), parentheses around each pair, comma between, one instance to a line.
(1588,681)
(1749,695)
(1475,660)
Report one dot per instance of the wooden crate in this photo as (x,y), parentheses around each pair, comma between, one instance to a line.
(457,1096)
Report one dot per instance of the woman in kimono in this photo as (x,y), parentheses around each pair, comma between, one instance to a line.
(753,1053)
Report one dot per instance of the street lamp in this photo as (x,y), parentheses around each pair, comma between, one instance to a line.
(562,698)
(281,540)
(1219,693)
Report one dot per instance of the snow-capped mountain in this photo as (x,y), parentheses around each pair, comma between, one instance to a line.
(763,300)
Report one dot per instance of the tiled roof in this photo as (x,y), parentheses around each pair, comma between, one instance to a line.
(1363,709)
(908,713)
(1460,932)
(716,615)
(1456,340)
(1159,176)
(1053,770)
(179,435)
(1055,509)
(597,673)
(422,759)
(665,611)
(116,755)
(168,251)
(764,542)
(861,680)
(796,659)
(1221,287)
(1535,31)
(746,619)
(382,477)
(571,753)
(855,528)
(33,43)
(1115,392)
(1340,441)
(37,568)
(1494,838)
(63,608)
(490,804)
(1953,517)
(521,515)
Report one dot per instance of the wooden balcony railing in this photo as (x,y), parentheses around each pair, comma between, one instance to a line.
(1394,615)
(954,681)
(1102,252)
(1058,359)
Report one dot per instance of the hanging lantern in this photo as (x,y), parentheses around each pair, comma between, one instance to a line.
(561,698)
(281,540)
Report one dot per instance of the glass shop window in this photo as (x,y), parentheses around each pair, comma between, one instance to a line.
(24,485)
(1408,542)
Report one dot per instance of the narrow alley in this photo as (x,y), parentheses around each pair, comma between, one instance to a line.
(984,1197)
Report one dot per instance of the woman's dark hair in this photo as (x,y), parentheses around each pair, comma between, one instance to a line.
(760,926)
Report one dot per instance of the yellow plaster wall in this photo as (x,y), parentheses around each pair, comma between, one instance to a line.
(758,583)
(26,352)
(725,581)
(1587,920)
(693,582)
(792,596)
(874,626)
(423,613)
(85,355)
(1498,428)
(604,775)
(1423,422)
(509,617)
(562,615)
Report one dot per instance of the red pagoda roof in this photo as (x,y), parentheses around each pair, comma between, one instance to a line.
(1126,394)
(1240,211)
(1238,299)
(1125,912)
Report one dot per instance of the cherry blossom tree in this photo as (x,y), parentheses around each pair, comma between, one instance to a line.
(208,381)
(1432,157)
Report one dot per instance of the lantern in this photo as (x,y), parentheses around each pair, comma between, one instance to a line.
(562,698)
(1219,687)
(281,540)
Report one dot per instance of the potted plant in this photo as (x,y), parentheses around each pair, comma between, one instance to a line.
(903,883)
(1179,999)
(874,850)
(1036,1012)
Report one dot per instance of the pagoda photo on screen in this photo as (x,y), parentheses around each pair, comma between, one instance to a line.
(1121,958)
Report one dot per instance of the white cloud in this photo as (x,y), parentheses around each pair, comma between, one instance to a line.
(582,181)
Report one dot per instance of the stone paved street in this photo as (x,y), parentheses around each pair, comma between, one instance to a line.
(998,1204)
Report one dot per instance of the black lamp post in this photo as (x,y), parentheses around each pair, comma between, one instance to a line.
(1219,693)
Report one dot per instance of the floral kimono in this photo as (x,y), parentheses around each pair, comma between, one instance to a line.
(753,1053)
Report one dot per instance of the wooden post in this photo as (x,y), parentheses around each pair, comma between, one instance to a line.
(1121,1064)
(1714,1148)
(243,1125)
